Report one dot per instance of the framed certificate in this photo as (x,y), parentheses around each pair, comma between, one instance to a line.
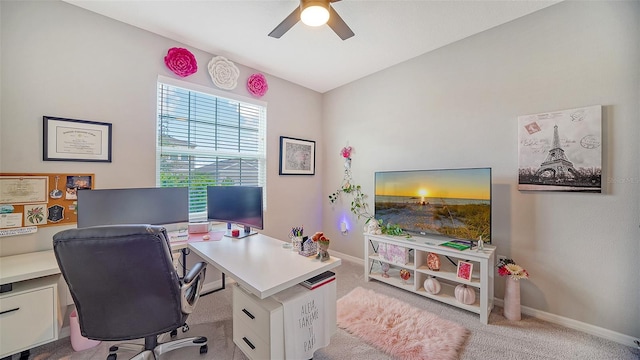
(23,189)
(76,140)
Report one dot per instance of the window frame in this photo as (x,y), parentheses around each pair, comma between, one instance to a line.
(260,155)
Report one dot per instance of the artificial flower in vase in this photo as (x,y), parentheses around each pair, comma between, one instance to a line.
(323,246)
(513,272)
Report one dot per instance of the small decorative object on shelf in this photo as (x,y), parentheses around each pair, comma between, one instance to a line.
(433,261)
(465,295)
(323,246)
(372,227)
(432,285)
(465,270)
(513,272)
(224,73)
(405,275)
(385,269)
(257,85)
(394,253)
(181,61)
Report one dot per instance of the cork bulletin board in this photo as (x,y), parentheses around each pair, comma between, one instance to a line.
(28,199)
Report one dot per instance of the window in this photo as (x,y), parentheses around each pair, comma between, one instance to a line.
(206,140)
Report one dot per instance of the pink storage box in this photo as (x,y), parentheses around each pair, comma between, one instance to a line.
(394,253)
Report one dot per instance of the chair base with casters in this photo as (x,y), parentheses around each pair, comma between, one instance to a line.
(152,349)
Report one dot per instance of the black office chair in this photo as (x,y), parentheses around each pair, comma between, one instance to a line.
(125,287)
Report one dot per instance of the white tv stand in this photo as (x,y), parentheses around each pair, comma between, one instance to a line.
(482,279)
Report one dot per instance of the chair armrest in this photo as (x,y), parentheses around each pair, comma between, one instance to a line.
(193,273)
(191,286)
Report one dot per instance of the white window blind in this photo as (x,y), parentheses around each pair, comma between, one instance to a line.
(207,140)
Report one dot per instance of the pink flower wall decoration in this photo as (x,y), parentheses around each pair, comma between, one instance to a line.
(181,61)
(257,85)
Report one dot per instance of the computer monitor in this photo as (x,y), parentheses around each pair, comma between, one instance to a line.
(155,206)
(236,205)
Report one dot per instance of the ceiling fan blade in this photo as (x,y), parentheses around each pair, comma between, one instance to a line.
(338,25)
(286,24)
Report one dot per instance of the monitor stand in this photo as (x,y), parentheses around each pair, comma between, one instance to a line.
(246,231)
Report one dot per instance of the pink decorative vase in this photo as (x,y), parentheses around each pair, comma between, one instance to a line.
(512,299)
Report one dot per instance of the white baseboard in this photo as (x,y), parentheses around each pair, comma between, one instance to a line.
(542,315)
(576,325)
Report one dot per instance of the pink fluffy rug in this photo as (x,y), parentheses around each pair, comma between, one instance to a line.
(397,328)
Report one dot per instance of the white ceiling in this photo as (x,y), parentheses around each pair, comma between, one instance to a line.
(387,32)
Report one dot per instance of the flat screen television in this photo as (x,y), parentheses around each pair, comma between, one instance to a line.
(155,206)
(444,203)
(236,205)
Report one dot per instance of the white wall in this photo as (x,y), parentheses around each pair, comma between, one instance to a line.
(64,61)
(458,107)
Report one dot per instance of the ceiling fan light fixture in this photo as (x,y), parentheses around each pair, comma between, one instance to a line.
(314,13)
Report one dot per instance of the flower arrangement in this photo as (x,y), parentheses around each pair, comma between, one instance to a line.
(346,152)
(181,61)
(321,239)
(323,246)
(257,85)
(359,206)
(508,267)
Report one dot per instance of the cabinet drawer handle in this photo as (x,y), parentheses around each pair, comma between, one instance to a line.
(8,311)
(250,315)
(249,343)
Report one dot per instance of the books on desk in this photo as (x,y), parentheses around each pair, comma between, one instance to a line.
(319,280)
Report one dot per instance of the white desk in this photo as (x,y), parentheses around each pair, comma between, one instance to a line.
(28,266)
(260,264)
(262,268)
(31,313)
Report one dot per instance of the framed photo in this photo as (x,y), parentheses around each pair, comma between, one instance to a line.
(297,156)
(465,269)
(76,140)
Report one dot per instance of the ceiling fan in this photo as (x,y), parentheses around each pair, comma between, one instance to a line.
(314,13)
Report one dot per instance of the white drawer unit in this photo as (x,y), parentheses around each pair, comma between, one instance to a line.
(258,326)
(29,315)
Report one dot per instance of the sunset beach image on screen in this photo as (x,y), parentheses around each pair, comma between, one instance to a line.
(452,203)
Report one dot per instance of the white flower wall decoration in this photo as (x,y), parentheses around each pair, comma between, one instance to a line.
(224,73)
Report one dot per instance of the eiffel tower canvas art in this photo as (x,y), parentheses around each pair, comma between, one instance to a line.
(561,151)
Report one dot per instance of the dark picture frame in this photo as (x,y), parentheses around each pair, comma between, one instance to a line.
(297,156)
(76,140)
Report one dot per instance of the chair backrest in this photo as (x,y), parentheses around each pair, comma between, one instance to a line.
(122,280)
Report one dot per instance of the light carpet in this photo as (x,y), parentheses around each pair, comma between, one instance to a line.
(397,328)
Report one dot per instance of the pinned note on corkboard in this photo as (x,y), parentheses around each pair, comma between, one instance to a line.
(29,199)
